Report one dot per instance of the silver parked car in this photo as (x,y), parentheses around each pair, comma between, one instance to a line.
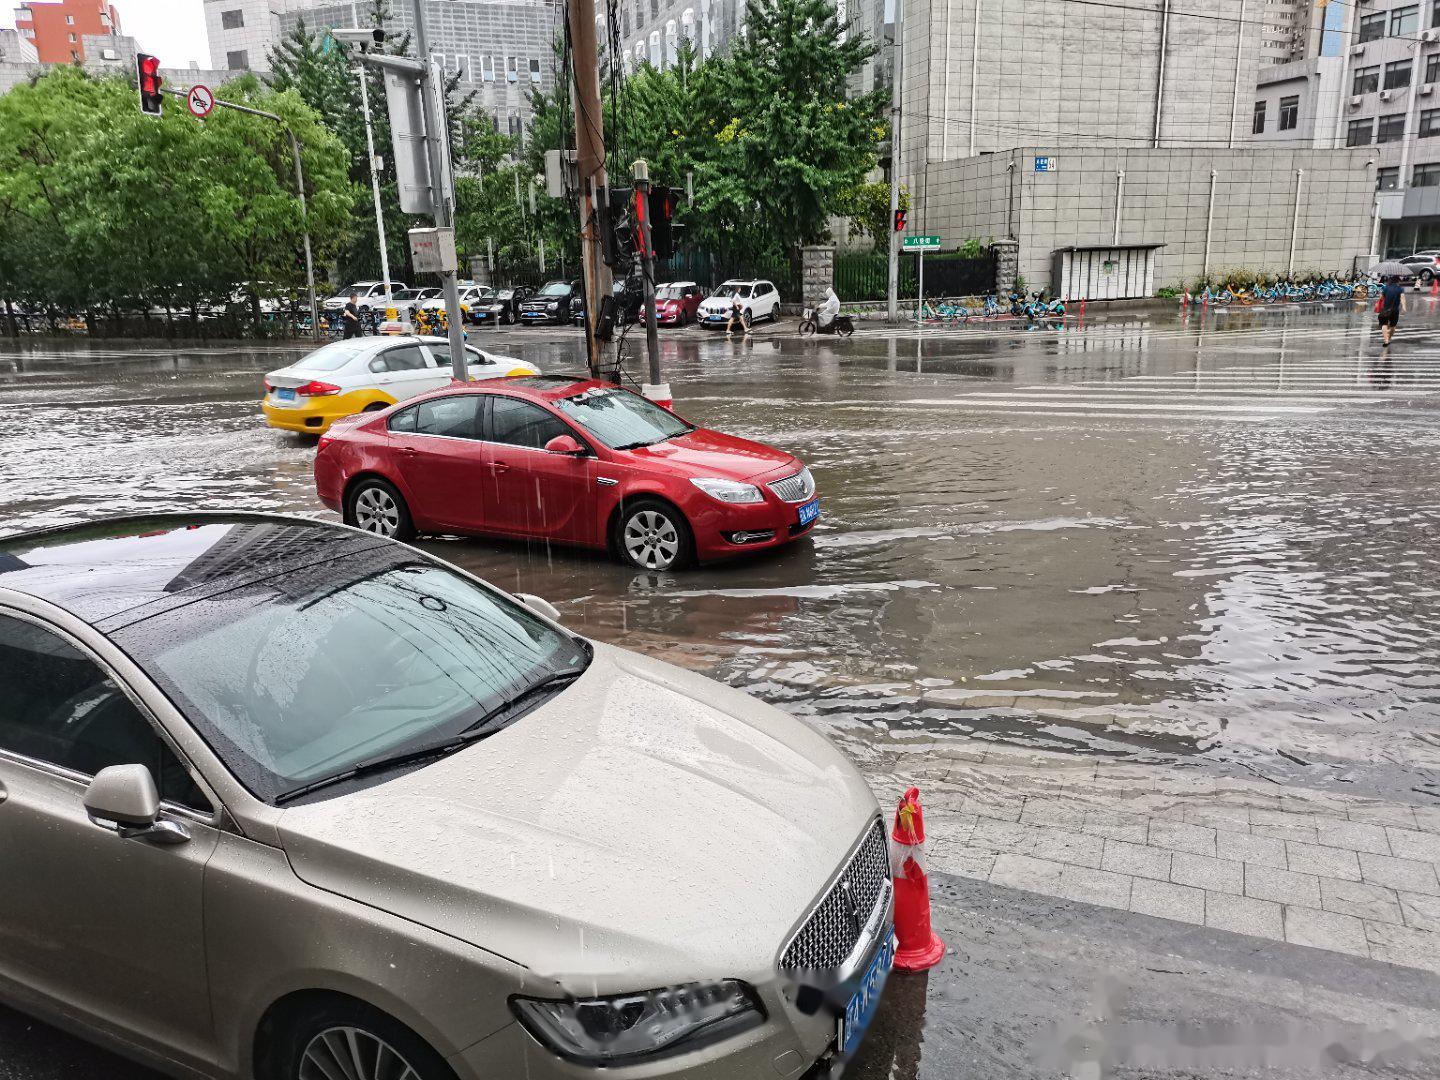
(286,800)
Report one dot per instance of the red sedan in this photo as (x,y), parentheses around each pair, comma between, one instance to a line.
(563,459)
(677,303)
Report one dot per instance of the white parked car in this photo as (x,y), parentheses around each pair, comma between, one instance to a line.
(364,373)
(759,299)
(370,294)
(471,296)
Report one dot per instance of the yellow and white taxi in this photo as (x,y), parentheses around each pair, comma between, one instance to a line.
(365,373)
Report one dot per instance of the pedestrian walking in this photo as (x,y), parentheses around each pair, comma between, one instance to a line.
(737,315)
(1389,307)
(351,316)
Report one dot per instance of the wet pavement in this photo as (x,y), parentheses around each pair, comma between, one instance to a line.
(1204,546)
(1209,544)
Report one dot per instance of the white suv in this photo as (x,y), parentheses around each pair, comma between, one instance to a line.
(759,299)
(370,293)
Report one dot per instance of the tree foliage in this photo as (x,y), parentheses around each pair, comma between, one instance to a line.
(105,209)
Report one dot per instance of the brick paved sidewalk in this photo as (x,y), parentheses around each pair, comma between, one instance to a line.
(1348,874)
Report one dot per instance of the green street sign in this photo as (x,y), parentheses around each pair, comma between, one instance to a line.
(922,243)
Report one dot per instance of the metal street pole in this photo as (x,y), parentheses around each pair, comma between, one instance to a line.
(892,291)
(641,171)
(590,165)
(299,189)
(375,185)
(920,296)
(437,142)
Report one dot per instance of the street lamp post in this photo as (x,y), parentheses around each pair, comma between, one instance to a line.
(375,185)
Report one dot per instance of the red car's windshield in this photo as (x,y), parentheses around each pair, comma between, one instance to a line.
(622,420)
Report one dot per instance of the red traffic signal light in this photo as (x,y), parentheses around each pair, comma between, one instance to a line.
(900,216)
(148,79)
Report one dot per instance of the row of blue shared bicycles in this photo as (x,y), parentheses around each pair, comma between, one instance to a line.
(1034,307)
(1332,290)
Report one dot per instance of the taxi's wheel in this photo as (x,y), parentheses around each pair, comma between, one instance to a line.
(375,506)
(347,1039)
(652,535)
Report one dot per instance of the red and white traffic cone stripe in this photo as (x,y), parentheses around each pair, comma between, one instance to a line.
(919,947)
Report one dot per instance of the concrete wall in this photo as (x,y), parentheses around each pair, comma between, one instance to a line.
(1164,200)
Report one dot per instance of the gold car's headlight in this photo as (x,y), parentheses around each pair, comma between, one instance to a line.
(629,1027)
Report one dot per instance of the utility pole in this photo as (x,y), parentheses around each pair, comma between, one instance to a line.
(590,166)
(432,96)
(897,52)
(655,390)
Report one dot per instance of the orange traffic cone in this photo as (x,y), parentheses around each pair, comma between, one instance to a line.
(919,946)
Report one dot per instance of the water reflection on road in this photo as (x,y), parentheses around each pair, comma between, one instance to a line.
(1211,543)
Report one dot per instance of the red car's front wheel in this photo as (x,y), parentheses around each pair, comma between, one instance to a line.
(652,535)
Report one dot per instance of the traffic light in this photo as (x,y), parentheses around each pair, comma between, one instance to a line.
(147,72)
(663,230)
(900,216)
(618,230)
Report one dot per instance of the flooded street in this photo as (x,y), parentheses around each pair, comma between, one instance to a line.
(1209,543)
(1200,549)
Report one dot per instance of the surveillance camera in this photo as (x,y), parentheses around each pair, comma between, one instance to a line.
(363,38)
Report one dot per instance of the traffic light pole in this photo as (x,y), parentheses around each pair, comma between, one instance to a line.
(375,184)
(655,389)
(432,96)
(590,165)
(300,190)
(892,289)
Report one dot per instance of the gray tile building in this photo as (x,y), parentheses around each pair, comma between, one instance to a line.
(1210,208)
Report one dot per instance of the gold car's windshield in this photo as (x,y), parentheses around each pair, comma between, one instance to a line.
(308,676)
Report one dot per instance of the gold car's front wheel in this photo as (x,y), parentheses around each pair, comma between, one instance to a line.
(337,1038)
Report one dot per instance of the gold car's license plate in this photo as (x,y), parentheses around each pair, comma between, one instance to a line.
(863,1003)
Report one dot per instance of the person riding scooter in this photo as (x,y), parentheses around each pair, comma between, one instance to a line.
(828,310)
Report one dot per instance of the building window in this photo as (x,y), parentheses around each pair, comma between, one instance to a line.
(1372,27)
(655,49)
(462,67)
(1289,112)
(1432,68)
(1397,74)
(232,20)
(239,60)
(1258,125)
(534,71)
(1425,176)
(487,69)
(654,9)
(1404,22)
(73,39)
(1388,178)
(75,55)
(672,44)
(1367,81)
(687,25)
(512,69)
(69,20)
(1391,128)
(104,18)
(1359,132)
(1429,123)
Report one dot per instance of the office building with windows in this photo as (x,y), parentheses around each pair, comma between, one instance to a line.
(500,49)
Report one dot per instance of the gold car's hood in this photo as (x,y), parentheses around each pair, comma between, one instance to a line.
(646,826)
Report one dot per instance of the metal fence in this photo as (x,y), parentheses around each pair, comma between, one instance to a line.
(863,277)
(710,270)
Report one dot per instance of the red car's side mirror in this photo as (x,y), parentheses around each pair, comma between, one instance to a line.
(565,444)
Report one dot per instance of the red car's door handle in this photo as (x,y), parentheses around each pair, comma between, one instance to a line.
(408,451)
(496,466)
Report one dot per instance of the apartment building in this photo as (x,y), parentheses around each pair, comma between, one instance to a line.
(56,28)
(1390,105)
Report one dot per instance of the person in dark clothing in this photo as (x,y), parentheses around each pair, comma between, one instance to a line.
(1392,303)
(351,316)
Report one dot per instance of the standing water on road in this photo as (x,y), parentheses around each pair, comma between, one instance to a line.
(1208,542)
